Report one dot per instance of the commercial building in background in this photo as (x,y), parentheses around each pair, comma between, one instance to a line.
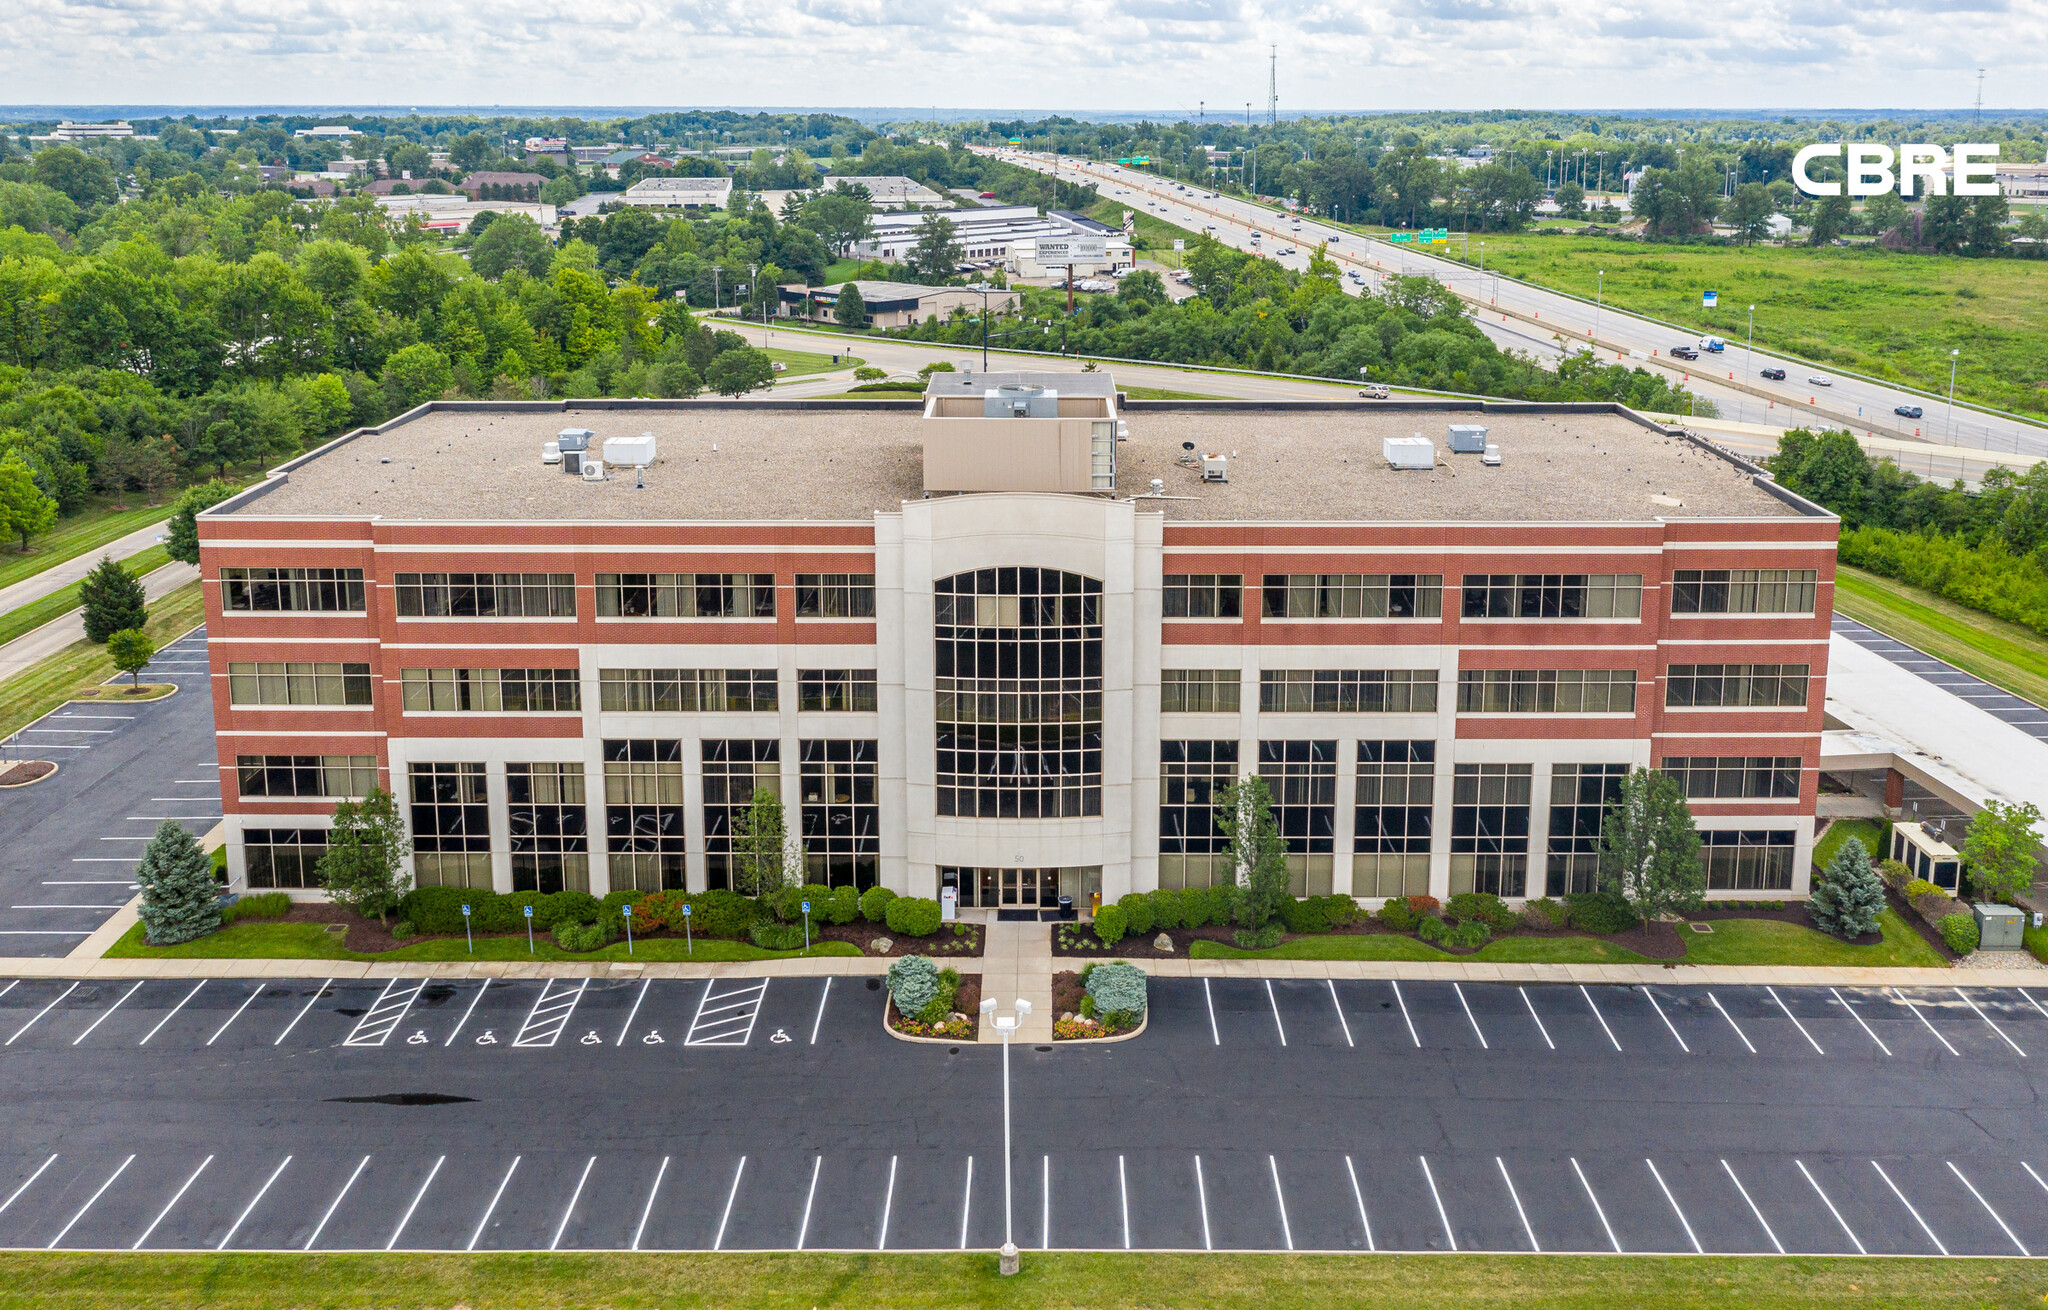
(890,304)
(995,236)
(1013,638)
(677,193)
(68,131)
(892,193)
(454,213)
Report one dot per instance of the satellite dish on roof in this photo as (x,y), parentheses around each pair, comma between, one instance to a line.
(1187,445)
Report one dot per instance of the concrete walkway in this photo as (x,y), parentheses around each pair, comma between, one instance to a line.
(1016,963)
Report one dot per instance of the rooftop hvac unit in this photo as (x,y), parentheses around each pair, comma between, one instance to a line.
(572,462)
(1491,456)
(593,470)
(550,452)
(1417,452)
(1467,439)
(577,439)
(1215,468)
(635,451)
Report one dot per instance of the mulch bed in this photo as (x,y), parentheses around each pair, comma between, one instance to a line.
(364,935)
(941,945)
(23,772)
(966,1001)
(1067,995)
(1928,932)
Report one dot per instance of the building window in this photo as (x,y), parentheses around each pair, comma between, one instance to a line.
(842,819)
(1490,828)
(835,595)
(550,827)
(1202,596)
(1193,852)
(643,813)
(1736,686)
(451,826)
(267,683)
(1354,595)
(1302,776)
(1199,691)
(686,691)
(1347,691)
(1019,694)
(850,691)
(1735,777)
(1748,861)
(491,691)
(1546,691)
(1392,825)
(1580,796)
(276,859)
(686,595)
(337,776)
(486,595)
(1743,591)
(733,771)
(255,590)
(1553,595)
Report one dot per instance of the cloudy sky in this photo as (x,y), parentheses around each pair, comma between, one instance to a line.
(1122,55)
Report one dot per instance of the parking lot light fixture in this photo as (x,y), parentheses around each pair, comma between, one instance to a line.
(1953,356)
(1006,1025)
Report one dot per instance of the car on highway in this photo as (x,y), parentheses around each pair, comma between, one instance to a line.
(1775,374)
(1684,352)
(1907,411)
(1821,380)
(1373,391)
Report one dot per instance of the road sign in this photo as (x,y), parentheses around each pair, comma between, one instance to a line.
(528,909)
(1180,243)
(807,907)
(1709,299)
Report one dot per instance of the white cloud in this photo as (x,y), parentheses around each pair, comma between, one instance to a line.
(1163,55)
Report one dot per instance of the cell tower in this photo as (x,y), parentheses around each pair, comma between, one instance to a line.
(1273,87)
(1977,115)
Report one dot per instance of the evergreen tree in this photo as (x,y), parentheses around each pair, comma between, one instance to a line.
(112,599)
(1651,850)
(1258,853)
(180,898)
(362,868)
(1848,902)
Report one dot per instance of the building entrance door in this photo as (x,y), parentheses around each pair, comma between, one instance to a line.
(1004,888)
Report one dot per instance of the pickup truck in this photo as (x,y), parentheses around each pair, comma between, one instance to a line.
(1684,352)
(1713,345)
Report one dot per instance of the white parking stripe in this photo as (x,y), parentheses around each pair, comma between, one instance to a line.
(655,1191)
(466,1012)
(1123,1192)
(719,1240)
(385,1014)
(569,1212)
(250,1208)
(406,1218)
(318,992)
(1339,1007)
(803,1227)
(476,1235)
(1405,1018)
(1815,1185)
(1667,1021)
(1434,1195)
(236,1015)
(1683,1221)
(15,1195)
(1045,1203)
(1513,1195)
(40,1013)
(1909,1207)
(2031,1001)
(1357,1194)
(109,1010)
(335,1204)
(1902,998)
(1987,1207)
(1280,1196)
(171,1204)
(1202,1200)
(1215,1038)
(966,1203)
(888,1200)
(1795,1021)
(168,1017)
(1761,1221)
(1597,1015)
(1274,1001)
(1859,1021)
(823,996)
(634,1013)
(89,1201)
(1469,1019)
(549,1015)
(1598,1209)
(719,1025)
(1987,1020)
(1538,1018)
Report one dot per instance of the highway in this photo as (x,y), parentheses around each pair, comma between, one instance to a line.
(1521,316)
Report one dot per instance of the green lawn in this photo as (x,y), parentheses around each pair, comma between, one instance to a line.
(1160,393)
(36,613)
(840,270)
(797,363)
(1154,237)
(257,940)
(1870,832)
(87,530)
(42,687)
(2001,653)
(1892,316)
(1757,941)
(744,1280)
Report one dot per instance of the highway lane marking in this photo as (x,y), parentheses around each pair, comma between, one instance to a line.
(803,1227)
(1339,1007)
(631,1015)
(89,1202)
(1513,1195)
(1274,1001)
(1761,1221)
(1795,1020)
(1123,1190)
(1202,1200)
(406,1218)
(489,1210)
(236,1015)
(549,1016)
(1987,1208)
(569,1212)
(823,996)
(1436,1196)
(1909,1207)
(467,1011)
(1598,1209)
(1468,1017)
(1859,1021)
(1538,1018)
(168,1017)
(1686,1223)
(109,1010)
(1815,1185)
(1286,1229)
(888,1200)
(655,1191)
(1412,1036)
(1901,997)
(335,1204)
(1215,1038)
(171,1204)
(1597,1015)
(250,1208)
(1667,1021)
(966,1203)
(1987,1020)
(40,1013)
(1357,1194)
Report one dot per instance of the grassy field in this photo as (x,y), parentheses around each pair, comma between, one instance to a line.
(2001,653)
(36,613)
(1155,236)
(798,363)
(1889,315)
(257,940)
(740,1281)
(39,689)
(88,530)
(1161,393)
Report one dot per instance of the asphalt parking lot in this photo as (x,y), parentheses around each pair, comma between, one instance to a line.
(776,1114)
(2021,713)
(69,844)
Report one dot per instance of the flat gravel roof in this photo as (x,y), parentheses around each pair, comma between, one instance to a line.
(784,461)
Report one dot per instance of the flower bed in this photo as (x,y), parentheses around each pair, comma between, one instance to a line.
(1069,997)
(966,1004)
(952,939)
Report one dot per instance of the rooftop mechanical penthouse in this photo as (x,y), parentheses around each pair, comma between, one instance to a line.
(1012,638)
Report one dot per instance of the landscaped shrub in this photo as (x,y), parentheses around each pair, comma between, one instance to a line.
(662,909)
(1601,912)
(874,904)
(573,936)
(1848,902)
(257,905)
(721,913)
(913,916)
(773,935)
(1345,911)
(1921,887)
(438,910)
(1261,939)
(1544,914)
(844,906)
(613,906)
(1110,925)
(1194,908)
(1425,904)
(913,981)
(1166,908)
(1137,908)
(1467,933)
(1305,915)
(1483,908)
(940,1007)
(1430,928)
(1396,915)
(1960,932)
(1895,874)
(403,931)
(1118,991)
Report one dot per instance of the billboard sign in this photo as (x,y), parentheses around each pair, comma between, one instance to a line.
(1070,250)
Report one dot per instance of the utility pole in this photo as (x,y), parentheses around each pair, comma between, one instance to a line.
(1977,115)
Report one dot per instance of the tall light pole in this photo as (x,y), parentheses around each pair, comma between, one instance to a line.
(1748,354)
(1599,299)
(1953,356)
(1007,1026)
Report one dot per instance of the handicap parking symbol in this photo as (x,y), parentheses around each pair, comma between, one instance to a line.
(780,1036)
(487,1038)
(417,1039)
(651,1039)
(592,1039)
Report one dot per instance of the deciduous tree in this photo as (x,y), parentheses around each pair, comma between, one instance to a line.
(24,509)
(131,650)
(1999,850)
(364,865)
(1258,853)
(1650,848)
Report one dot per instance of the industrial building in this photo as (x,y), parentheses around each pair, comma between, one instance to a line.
(677,193)
(891,304)
(1010,639)
(993,237)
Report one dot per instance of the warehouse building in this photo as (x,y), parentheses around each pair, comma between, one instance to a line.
(1012,638)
